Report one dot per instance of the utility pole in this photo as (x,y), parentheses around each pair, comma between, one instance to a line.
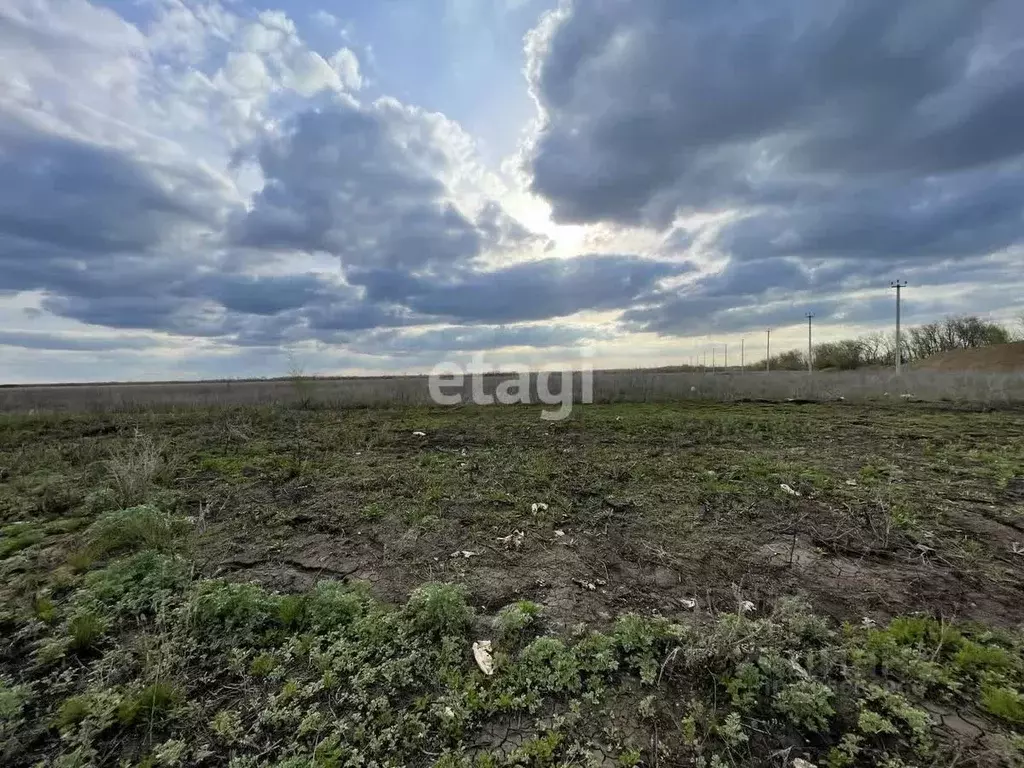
(741,355)
(768,352)
(898,285)
(810,349)
(713,366)
(705,361)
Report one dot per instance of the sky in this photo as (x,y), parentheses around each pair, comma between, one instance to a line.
(225,188)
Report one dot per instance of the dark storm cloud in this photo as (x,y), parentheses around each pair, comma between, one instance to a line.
(64,194)
(655,105)
(976,214)
(851,139)
(528,291)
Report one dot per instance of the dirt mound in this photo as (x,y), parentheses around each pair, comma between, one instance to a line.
(999,358)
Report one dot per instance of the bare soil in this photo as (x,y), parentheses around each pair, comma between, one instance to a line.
(648,507)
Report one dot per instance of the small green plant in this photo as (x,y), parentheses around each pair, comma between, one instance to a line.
(439,609)
(154,702)
(12,698)
(516,622)
(16,539)
(238,608)
(977,659)
(73,711)
(806,704)
(85,630)
(134,586)
(263,665)
(872,723)
(333,605)
(132,530)
(1003,702)
(227,724)
(45,609)
(731,730)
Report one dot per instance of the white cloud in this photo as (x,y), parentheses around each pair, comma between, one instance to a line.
(346,65)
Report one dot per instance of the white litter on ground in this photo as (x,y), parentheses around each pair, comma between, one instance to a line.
(688,603)
(419,434)
(851,482)
(746,606)
(559,534)
(799,762)
(538,506)
(465,553)
(514,540)
(482,654)
(788,489)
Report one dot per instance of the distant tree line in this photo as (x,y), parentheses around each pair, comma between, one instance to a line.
(879,349)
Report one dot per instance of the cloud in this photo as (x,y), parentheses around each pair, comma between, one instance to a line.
(533,290)
(225,180)
(652,107)
(75,343)
(832,143)
(343,180)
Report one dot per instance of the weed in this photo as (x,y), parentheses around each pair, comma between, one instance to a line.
(131,530)
(135,585)
(263,665)
(12,699)
(85,631)
(515,622)
(156,701)
(227,724)
(439,610)
(133,468)
(977,659)
(57,496)
(9,545)
(73,711)
(1003,702)
(45,609)
(807,704)
(731,730)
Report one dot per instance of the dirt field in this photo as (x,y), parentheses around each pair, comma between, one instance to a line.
(684,584)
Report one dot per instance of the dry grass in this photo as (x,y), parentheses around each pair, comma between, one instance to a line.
(609,386)
(132,469)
